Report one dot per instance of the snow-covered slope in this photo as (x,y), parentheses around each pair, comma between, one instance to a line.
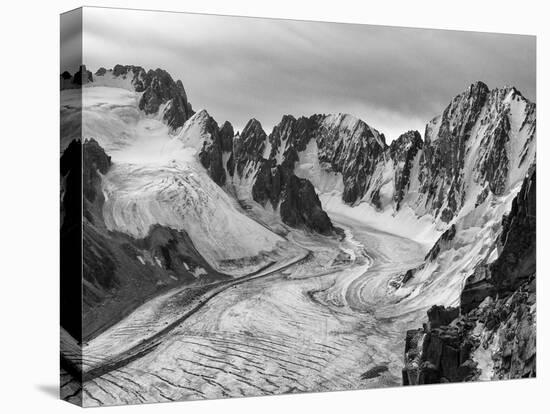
(172,200)
(157,179)
(464,174)
(483,143)
(175,191)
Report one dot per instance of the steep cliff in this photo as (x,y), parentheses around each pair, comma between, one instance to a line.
(494,335)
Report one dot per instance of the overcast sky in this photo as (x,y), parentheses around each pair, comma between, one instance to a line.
(395,79)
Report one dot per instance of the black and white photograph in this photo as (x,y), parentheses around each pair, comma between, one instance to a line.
(274,207)
(255,207)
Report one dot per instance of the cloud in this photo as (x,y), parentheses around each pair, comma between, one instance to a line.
(238,68)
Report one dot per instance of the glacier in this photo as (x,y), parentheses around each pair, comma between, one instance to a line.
(296,303)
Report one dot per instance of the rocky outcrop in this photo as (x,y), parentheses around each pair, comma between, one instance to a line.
(403,150)
(445,146)
(471,144)
(443,243)
(83,76)
(477,287)
(272,183)
(159,91)
(509,331)
(472,139)
(94,162)
(80,77)
(299,204)
(493,166)
(291,136)
(351,148)
(516,262)
(467,146)
(252,155)
(249,147)
(300,207)
(346,145)
(501,332)
(226,136)
(210,154)
(268,184)
(159,88)
(496,322)
(439,352)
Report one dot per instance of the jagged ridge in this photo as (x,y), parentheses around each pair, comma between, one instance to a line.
(158,89)
(496,323)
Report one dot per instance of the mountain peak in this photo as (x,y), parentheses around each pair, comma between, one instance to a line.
(411,137)
(356,126)
(479,86)
(157,87)
(202,114)
(253,126)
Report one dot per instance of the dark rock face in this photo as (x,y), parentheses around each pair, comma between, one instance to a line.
(354,151)
(300,207)
(402,151)
(493,167)
(157,86)
(249,146)
(94,160)
(439,352)
(210,155)
(477,287)
(272,182)
(99,263)
(136,72)
(345,145)
(443,350)
(158,89)
(445,149)
(448,143)
(511,323)
(350,147)
(276,184)
(374,372)
(482,196)
(517,260)
(226,135)
(498,296)
(299,204)
(268,184)
(292,135)
(440,315)
(83,76)
(442,243)
(81,202)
